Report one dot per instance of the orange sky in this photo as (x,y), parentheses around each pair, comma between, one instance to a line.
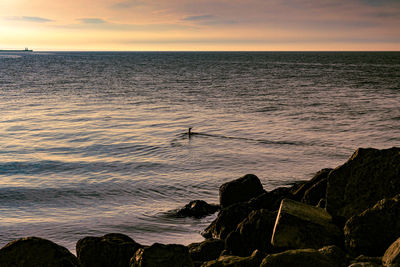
(139,25)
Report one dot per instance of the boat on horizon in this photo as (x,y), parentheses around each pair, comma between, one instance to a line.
(11,50)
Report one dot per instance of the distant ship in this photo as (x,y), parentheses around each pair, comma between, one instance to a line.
(25,50)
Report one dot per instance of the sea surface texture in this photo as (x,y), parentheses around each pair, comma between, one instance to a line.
(94,143)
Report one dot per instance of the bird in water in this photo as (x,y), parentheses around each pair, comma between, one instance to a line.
(189,133)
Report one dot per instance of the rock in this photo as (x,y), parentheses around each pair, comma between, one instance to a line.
(315,193)
(162,255)
(298,258)
(227,221)
(253,260)
(197,209)
(367,177)
(270,200)
(109,250)
(253,233)
(240,190)
(35,251)
(392,254)
(371,232)
(302,226)
(335,255)
(365,264)
(207,250)
(318,177)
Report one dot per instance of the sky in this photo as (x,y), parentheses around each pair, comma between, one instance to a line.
(200,25)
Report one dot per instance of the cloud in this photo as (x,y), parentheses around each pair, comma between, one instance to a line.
(127,4)
(30,19)
(92,21)
(208,19)
(198,18)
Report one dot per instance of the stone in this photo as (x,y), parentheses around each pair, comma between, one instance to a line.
(315,193)
(157,255)
(227,221)
(299,258)
(392,254)
(270,200)
(35,251)
(197,209)
(207,250)
(253,233)
(367,177)
(299,193)
(253,260)
(113,250)
(303,226)
(374,230)
(365,264)
(240,190)
(335,254)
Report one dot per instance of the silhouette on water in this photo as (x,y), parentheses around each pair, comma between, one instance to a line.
(189,133)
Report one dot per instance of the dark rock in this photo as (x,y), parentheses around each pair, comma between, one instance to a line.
(253,233)
(270,200)
(34,252)
(197,209)
(298,258)
(335,255)
(362,258)
(111,250)
(253,260)
(227,221)
(302,226)
(371,232)
(367,177)
(207,250)
(162,255)
(318,177)
(315,193)
(392,254)
(240,190)
(365,264)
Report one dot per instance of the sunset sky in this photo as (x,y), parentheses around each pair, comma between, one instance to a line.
(139,25)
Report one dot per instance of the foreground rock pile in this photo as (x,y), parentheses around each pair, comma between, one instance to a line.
(347,216)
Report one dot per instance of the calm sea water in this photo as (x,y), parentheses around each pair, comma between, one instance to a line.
(93,143)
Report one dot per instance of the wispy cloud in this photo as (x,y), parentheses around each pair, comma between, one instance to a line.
(199,18)
(30,19)
(92,21)
(127,4)
(207,19)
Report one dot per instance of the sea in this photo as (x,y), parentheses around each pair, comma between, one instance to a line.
(95,142)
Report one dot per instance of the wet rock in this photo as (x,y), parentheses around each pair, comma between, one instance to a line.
(298,258)
(367,177)
(253,260)
(374,230)
(392,254)
(315,193)
(162,255)
(207,250)
(197,209)
(111,250)
(240,190)
(300,193)
(34,251)
(253,233)
(227,221)
(336,255)
(302,226)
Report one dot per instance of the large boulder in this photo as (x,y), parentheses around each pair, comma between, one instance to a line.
(303,226)
(162,255)
(111,250)
(392,254)
(240,190)
(34,251)
(253,260)
(298,258)
(197,209)
(371,232)
(367,177)
(253,233)
(227,221)
(207,250)
(271,200)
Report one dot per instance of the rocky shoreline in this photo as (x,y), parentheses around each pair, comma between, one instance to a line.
(347,216)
